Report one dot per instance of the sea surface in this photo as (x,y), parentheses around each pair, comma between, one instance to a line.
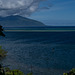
(43,53)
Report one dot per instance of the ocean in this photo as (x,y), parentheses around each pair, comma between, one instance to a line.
(43,53)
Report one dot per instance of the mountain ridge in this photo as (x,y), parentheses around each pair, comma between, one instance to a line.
(19,21)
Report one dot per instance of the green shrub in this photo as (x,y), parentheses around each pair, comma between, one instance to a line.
(7,71)
(14,72)
(2,52)
(72,72)
(30,73)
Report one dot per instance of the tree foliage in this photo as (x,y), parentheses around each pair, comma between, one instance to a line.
(1,31)
(7,71)
(72,72)
(3,53)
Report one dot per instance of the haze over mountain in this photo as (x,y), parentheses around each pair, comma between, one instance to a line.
(18,21)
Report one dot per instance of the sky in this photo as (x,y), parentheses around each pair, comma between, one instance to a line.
(61,12)
(50,12)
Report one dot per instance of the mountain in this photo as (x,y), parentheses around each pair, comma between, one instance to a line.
(19,21)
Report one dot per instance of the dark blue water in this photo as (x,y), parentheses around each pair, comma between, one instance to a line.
(42,28)
(47,53)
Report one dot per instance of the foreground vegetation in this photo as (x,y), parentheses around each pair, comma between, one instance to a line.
(72,72)
(3,53)
(7,71)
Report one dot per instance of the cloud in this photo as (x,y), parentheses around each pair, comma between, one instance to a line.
(19,7)
(45,7)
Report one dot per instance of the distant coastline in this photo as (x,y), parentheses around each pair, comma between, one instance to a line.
(41,29)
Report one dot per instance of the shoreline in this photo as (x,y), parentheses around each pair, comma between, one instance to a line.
(39,30)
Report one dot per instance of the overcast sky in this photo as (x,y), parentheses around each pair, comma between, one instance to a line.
(42,10)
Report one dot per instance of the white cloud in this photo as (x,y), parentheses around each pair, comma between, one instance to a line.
(18,7)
